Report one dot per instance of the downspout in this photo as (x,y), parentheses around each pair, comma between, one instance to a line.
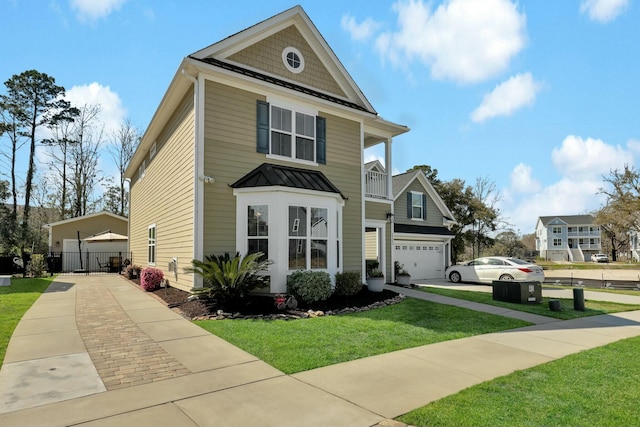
(128,181)
(198,245)
(389,243)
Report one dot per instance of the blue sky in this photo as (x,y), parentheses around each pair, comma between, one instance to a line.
(541,97)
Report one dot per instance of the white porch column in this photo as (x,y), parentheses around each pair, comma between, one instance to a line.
(388,167)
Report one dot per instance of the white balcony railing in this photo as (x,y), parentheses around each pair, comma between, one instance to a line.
(376,185)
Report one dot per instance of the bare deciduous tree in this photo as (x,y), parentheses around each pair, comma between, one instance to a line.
(84,154)
(123,144)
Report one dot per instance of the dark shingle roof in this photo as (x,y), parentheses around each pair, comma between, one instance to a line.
(270,175)
(273,80)
(398,182)
(569,219)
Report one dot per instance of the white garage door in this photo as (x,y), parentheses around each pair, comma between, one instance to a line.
(423,260)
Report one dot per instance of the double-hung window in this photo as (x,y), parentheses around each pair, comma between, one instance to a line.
(258,229)
(151,245)
(557,242)
(294,134)
(308,237)
(416,205)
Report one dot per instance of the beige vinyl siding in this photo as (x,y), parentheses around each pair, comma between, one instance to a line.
(266,55)
(165,197)
(371,245)
(87,227)
(434,216)
(343,170)
(230,153)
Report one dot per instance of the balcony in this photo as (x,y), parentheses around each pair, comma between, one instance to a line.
(376,185)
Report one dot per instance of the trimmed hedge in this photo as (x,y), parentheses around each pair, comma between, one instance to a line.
(310,286)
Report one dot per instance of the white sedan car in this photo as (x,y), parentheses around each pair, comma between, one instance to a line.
(488,269)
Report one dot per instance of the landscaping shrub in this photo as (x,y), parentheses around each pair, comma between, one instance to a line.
(228,279)
(150,279)
(36,267)
(310,286)
(348,283)
(132,271)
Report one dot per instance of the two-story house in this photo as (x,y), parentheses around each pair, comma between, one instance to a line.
(257,145)
(421,221)
(567,237)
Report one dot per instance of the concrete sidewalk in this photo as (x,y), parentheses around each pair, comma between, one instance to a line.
(96,350)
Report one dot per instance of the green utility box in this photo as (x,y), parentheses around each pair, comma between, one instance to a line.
(518,292)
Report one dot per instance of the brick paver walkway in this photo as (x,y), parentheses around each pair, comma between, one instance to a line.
(122,353)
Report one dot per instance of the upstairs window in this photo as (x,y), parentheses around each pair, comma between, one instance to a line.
(293,134)
(557,230)
(416,205)
(293,60)
(296,135)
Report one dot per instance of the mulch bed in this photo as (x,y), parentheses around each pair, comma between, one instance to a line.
(262,306)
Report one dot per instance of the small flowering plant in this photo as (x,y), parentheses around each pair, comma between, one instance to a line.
(280,301)
(150,279)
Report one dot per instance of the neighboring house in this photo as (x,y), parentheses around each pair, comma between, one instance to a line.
(257,145)
(568,237)
(70,236)
(421,226)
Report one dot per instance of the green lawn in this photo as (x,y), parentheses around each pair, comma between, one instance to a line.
(300,345)
(598,387)
(15,300)
(592,308)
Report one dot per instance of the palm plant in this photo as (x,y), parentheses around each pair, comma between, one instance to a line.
(228,279)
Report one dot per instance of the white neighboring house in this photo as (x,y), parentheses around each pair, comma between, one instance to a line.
(568,237)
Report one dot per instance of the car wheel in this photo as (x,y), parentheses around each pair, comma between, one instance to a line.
(455,277)
(506,277)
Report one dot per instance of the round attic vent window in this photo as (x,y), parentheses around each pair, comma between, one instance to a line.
(293,60)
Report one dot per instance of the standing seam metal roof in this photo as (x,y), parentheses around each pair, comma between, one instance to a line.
(270,175)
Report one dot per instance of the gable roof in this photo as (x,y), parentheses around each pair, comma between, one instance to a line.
(402,181)
(270,175)
(85,217)
(221,52)
(568,219)
(376,164)
(219,62)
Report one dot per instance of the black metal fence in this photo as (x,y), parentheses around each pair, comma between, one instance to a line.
(13,264)
(88,262)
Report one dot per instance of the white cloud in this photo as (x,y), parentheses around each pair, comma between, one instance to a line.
(588,159)
(362,31)
(581,164)
(94,9)
(522,180)
(112,113)
(634,146)
(564,197)
(506,98)
(603,11)
(461,40)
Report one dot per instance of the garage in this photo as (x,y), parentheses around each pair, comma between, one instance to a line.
(422,259)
